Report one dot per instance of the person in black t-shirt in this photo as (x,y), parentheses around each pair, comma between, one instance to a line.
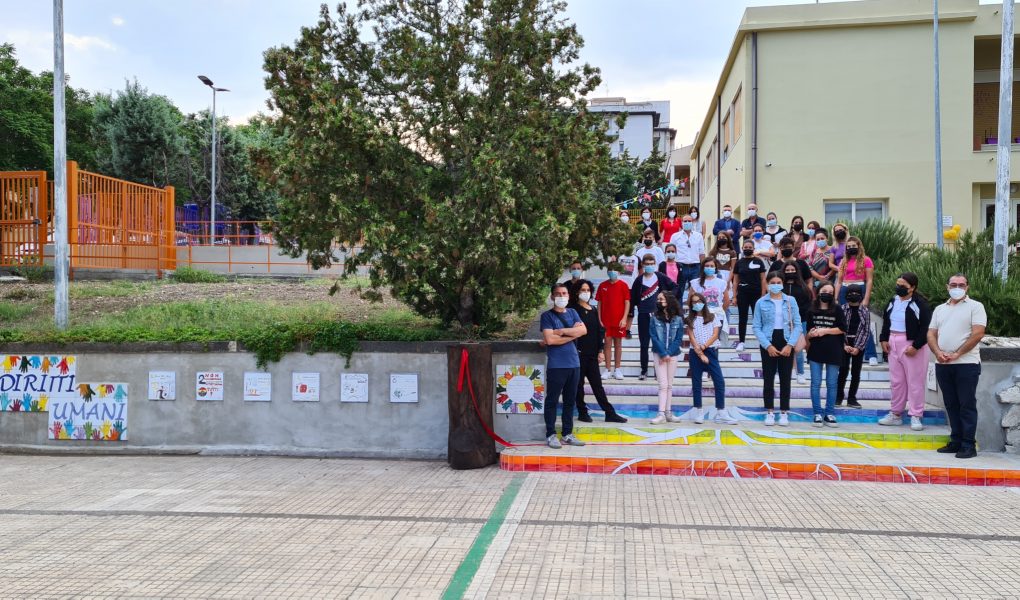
(748,279)
(589,348)
(826,327)
(794,286)
(786,255)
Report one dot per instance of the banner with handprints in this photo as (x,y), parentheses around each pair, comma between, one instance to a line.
(28,383)
(520,389)
(98,411)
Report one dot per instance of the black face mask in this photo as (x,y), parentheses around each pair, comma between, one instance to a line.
(841,235)
(791,277)
(853,251)
(786,252)
(902,291)
(826,298)
(748,251)
(798,227)
(854,298)
(648,243)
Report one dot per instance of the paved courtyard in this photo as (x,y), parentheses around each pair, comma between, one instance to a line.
(205,527)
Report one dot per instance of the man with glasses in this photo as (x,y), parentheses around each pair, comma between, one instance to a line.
(690,251)
(953,336)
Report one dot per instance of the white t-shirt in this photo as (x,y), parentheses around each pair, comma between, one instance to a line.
(898,316)
(702,330)
(780,318)
(690,247)
(714,292)
(954,322)
(655,251)
(630,267)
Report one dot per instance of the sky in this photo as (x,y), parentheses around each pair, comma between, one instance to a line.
(647,49)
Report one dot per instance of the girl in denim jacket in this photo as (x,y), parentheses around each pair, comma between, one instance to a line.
(777,326)
(667,333)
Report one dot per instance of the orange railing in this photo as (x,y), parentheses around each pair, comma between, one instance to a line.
(24,206)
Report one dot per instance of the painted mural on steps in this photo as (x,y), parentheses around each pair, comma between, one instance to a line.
(29,383)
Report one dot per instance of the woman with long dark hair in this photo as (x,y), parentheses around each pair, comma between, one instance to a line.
(589,348)
(667,333)
(794,285)
(905,341)
(777,326)
(825,329)
(703,329)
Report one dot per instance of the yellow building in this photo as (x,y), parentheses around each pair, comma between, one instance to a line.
(827,111)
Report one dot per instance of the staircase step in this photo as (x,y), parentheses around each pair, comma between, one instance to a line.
(735,370)
(769,462)
(857,436)
(683,389)
(800,412)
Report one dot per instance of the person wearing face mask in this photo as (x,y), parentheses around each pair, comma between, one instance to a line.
(786,253)
(904,339)
(777,326)
(712,288)
(773,231)
(561,326)
(727,223)
(793,285)
(806,249)
(670,225)
(821,260)
(613,297)
(796,233)
(667,333)
(825,331)
(857,269)
(699,225)
(576,271)
(763,247)
(955,331)
(690,251)
(648,247)
(669,267)
(747,225)
(648,223)
(858,324)
(840,233)
(725,256)
(643,293)
(748,280)
(589,348)
(703,330)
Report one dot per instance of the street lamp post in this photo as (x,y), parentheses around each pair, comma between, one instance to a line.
(61,259)
(212,185)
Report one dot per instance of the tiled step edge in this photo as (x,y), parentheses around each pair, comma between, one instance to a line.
(695,435)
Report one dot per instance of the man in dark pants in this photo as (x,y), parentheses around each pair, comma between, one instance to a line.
(643,294)
(955,331)
(560,327)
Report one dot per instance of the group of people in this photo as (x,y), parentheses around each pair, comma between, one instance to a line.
(805,290)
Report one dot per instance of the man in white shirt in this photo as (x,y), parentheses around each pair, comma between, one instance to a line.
(690,251)
(956,329)
(648,247)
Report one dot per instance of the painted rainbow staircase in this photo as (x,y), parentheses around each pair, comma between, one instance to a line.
(857,450)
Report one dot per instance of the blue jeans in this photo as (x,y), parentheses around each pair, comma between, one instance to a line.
(687,273)
(831,378)
(870,351)
(800,355)
(560,381)
(714,370)
(959,392)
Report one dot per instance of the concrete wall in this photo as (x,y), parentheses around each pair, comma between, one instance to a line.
(247,260)
(520,427)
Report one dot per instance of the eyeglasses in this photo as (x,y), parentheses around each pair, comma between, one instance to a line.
(953,286)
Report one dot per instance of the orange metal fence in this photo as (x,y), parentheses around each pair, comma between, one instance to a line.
(23,217)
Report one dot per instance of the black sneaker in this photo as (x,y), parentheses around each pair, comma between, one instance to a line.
(853,404)
(641,377)
(949,448)
(615,418)
(818,420)
(966,453)
(830,421)
(585,418)
(839,402)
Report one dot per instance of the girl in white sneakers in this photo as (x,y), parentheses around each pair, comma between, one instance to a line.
(667,333)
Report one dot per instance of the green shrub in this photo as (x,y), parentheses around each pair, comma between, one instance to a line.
(190,275)
(886,241)
(42,274)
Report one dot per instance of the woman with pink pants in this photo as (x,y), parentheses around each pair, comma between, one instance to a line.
(667,333)
(904,339)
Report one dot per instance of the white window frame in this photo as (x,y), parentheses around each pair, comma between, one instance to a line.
(853,205)
(1014,208)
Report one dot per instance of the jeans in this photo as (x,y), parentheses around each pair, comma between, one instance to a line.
(664,373)
(560,381)
(851,366)
(800,355)
(590,371)
(770,366)
(959,392)
(713,368)
(686,274)
(831,376)
(644,322)
(745,306)
(869,347)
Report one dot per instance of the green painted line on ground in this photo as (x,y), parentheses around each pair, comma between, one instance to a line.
(469,566)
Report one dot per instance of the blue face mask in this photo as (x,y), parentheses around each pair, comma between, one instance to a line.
(811,233)
(670,255)
(698,306)
(709,270)
(576,273)
(775,288)
(688,226)
(821,244)
(649,269)
(771,222)
(613,275)
(758,235)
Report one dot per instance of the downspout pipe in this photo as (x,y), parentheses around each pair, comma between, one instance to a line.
(718,154)
(754,117)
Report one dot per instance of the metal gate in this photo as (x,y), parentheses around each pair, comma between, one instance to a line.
(24,217)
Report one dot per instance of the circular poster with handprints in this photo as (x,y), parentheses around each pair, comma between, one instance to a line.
(520,389)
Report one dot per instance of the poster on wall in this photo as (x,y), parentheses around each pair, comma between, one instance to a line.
(209,385)
(28,383)
(354,387)
(258,387)
(305,387)
(162,385)
(403,387)
(520,389)
(96,411)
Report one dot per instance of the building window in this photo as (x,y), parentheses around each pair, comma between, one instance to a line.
(621,146)
(853,211)
(726,135)
(737,110)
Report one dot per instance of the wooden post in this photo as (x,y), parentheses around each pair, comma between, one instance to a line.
(469,446)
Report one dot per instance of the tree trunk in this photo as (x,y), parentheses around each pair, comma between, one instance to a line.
(466,310)
(469,446)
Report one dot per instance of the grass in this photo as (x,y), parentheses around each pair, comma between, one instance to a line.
(190,275)
(11,312)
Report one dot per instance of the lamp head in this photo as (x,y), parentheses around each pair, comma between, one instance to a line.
(205,80)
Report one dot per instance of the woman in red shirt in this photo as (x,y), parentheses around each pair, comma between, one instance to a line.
(670,225)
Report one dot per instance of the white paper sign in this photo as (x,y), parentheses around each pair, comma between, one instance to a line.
(209,386)
(354,387)
(162,385)
(258,387)
(305,387)
(930,382)
(403,387)
(947,220)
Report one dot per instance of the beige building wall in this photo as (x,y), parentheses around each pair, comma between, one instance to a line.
(846,111)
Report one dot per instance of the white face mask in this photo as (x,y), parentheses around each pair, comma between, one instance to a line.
(625,219)
(560,302)
(727,214)
(584,296)
(646,217)
(751,212)
(694,216)
(957,293)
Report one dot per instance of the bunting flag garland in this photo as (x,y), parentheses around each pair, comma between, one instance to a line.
(646,198)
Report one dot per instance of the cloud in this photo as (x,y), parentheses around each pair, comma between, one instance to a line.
(118,21)
(84,43)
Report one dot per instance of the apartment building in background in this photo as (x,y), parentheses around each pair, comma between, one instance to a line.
(827,111)
(646,127)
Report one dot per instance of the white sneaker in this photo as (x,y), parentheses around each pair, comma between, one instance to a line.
(605,374)
(660,419)
(671,417)
(571,440)
(698,415)
(618,374)
(554,442)
(704,375)
(770,419)
(873,361)
(916,424)
(784,420)
(740,347)
(891,419)
(723,416)
(801,380)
